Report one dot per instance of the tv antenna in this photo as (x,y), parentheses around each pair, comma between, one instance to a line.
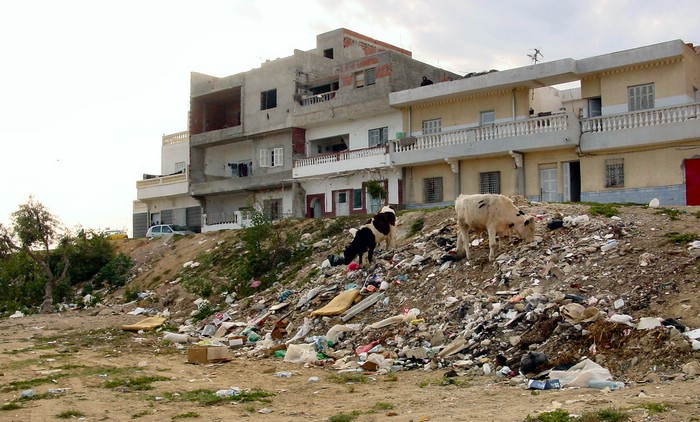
(535,56)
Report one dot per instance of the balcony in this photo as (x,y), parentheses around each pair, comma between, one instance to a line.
(538,133)
(319,98)
(221,185)
(161,186)
(233,220)
(353,160)
(639,128)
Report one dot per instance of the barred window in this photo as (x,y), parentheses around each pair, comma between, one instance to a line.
(378,136)
(614,172)
(432,189)
(365,77)
(640,97)
(357,199)
(490,182)
(432,126)
(272,209)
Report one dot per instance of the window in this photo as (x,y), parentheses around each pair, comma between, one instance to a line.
(241,168)
(432,126)
(328,53)
(490,182)
(180,166)
(640,97)
(272,209)
(272,157)
(595,107)
(357,199)
(614,172)
(378,136)
(365,77)
(487,117)
(342,197)
(268,99)
(432,189)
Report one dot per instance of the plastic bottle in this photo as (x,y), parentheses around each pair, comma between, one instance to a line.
(608,246)
(601,384)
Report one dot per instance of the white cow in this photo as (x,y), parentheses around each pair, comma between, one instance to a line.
(495,213)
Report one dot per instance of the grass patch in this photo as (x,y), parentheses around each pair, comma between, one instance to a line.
(25,385)
(186,415)
(68,414)
(381,407)
(136,384)
(140,414)
(348,378)
(655,408)
(209,398)
(605,415)
(558,415)
(672,213)
(608,210)
(10,406)
(344,417)
(443,382)
(681,237)
(416,227)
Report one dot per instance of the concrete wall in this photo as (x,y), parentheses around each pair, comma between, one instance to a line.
(470,181)
(172,154)
(413,182)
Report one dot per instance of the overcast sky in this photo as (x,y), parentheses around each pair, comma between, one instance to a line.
(90,87)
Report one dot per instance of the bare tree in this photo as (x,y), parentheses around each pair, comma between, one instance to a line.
(35,231)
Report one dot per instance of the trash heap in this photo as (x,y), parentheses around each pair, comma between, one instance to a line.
(578,298)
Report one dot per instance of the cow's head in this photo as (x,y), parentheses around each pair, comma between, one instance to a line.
(525,227)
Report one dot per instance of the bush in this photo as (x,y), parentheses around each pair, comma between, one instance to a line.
(115,274)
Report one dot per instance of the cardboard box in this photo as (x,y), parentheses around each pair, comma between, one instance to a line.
(208,354)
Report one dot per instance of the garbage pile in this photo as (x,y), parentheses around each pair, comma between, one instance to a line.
(579,296)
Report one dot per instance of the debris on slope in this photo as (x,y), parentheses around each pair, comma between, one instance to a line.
(585,288)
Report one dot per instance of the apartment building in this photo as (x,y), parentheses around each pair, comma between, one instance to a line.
(261,138)
(630,133)
(165,198)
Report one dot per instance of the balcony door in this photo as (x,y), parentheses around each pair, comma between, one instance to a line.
(548,184)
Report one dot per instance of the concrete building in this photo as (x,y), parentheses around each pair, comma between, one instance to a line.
(165,198)
(629,134)
(261,138)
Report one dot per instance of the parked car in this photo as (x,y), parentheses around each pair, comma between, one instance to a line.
(115,234)
(167,229)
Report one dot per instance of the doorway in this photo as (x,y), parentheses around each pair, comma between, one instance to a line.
(692,181)
(316,208)
(572,181)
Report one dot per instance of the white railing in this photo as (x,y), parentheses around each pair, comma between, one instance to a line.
(341,156)
(175,138)
(318,98)
(643,118)
(545,124)
(228,220)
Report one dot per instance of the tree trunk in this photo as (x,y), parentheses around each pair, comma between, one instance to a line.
(47,304)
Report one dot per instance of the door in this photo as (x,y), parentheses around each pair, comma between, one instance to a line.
(548,185)
(155,219)
(342,203)
(692,181)
(572,181)
(316,208)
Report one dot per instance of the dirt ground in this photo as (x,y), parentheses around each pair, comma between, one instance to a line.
(81,353)
(82,365)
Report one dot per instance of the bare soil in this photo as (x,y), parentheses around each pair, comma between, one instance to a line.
(67,359)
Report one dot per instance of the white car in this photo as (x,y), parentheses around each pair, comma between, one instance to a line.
(167,229)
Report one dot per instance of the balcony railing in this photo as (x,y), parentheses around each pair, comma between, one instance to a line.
(318,98)
(537,125)
(643,118)
(175,138)
(161,180)
(342,156)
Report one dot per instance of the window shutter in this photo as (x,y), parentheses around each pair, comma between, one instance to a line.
(278,157)
(265,158)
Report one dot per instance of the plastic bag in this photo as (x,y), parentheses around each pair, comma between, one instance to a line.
(300,353)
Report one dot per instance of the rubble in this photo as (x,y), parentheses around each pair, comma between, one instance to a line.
(582,293)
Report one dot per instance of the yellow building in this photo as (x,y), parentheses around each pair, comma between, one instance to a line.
(630,133)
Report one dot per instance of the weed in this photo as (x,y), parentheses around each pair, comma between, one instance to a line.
(654,408)
(137,384)
(380,406)
(186,415)
(672,213)
(24,385)
(10,406)
(442,382)
(347,378)
(605,415)
(558,415)
(131,293)
(416,227)
(344,417)
(608,210)
(391,377)
(68,414)
(697,214)
(140,414)
(209,398)
(204,312)
(681,238)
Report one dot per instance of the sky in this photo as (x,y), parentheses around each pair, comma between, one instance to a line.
(90,87)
